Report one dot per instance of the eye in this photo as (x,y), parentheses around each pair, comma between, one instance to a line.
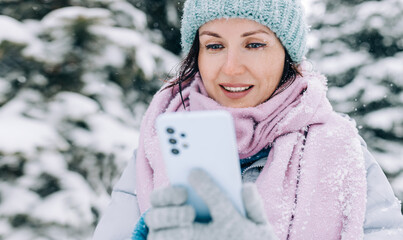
(214,46)
(255,45)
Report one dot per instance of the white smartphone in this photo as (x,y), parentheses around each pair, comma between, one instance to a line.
(206,140)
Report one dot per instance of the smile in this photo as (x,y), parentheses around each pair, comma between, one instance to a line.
(236,89)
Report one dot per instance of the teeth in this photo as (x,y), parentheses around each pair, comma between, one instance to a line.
(236,89)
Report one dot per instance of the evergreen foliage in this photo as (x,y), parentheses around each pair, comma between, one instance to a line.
(164,15)
(74,82)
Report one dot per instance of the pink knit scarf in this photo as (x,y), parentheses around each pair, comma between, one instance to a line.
(314,182)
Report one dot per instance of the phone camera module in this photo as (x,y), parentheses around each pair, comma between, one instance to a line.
(170,130)
(175,151)
(172,141)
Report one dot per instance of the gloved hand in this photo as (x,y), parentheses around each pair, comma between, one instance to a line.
(170,219)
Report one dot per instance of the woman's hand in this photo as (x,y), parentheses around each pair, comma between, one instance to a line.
(171,219)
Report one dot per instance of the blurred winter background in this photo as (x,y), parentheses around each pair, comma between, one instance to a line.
(76,77)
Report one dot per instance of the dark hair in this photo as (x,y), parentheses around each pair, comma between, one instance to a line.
(190,66)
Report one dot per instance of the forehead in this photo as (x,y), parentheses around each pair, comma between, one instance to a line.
(234,25)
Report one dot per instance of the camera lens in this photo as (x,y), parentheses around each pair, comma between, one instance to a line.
(170,130)
(175,151)
(172,141)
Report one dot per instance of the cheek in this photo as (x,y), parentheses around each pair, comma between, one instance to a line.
(207,71)
(269,69)
(268,74)
(203,65)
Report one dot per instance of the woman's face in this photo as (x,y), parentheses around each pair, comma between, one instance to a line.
(240,61)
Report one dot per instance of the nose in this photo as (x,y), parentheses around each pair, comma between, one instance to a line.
(233,64)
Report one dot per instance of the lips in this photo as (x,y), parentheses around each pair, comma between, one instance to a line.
(236,91)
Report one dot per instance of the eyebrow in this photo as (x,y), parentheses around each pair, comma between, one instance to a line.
(254,32)
(213,34)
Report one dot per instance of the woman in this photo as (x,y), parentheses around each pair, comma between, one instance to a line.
(313,177)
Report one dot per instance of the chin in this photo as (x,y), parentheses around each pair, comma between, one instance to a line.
(237,105)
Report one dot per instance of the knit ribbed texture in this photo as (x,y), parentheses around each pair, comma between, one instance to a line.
(284,17)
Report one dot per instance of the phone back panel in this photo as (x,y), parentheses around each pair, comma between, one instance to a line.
(206,140)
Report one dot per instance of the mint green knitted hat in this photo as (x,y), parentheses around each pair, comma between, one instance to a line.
(284,17)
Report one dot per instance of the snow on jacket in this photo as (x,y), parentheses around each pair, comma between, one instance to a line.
(383,218)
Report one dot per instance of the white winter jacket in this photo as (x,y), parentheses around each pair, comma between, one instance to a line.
(383,219)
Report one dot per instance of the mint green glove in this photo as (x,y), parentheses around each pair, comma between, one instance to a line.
(171,219)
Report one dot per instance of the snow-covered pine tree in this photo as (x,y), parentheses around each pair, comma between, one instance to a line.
(359,46)
(73,85)
(164,15)
(30,9)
